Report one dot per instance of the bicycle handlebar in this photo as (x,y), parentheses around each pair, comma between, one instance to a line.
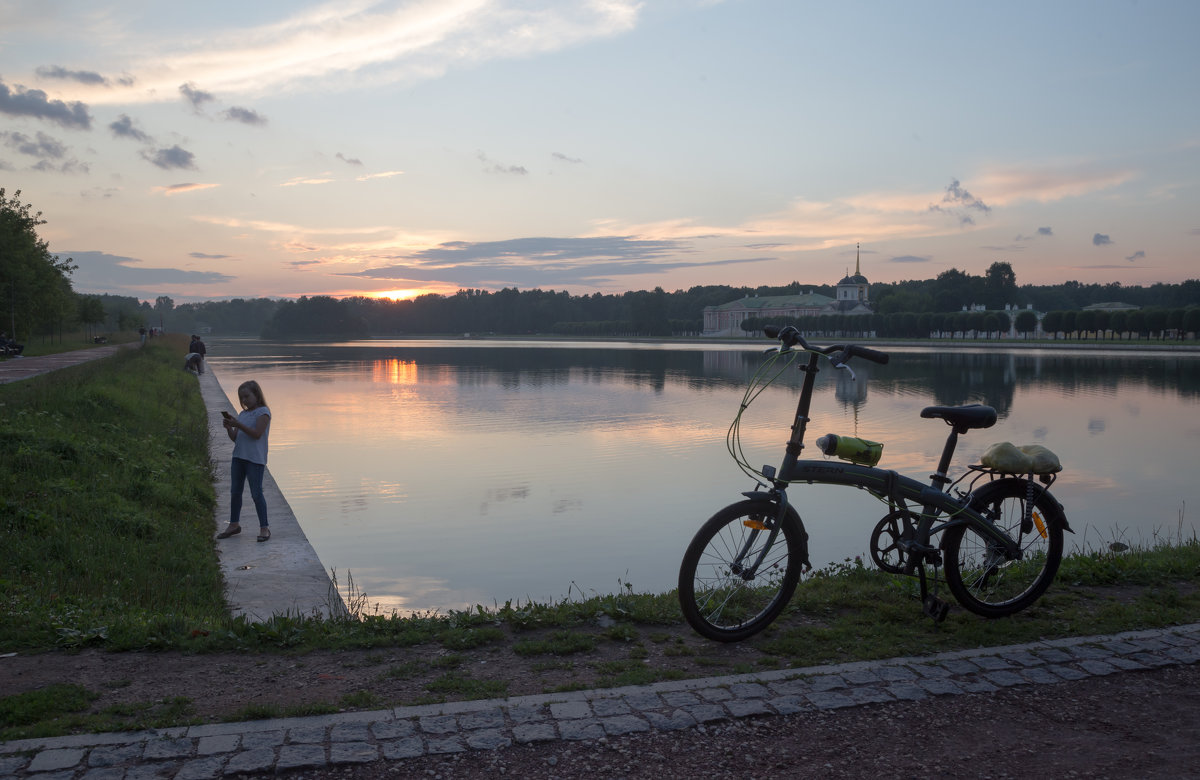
(792,338)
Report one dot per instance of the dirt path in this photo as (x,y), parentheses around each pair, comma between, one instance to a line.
(1128,725)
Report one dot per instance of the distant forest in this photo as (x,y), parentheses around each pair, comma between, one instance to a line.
(909,305)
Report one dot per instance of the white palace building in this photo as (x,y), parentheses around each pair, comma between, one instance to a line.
(726,319)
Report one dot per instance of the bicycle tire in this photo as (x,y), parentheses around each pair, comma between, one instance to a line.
(976,573)
(720,602)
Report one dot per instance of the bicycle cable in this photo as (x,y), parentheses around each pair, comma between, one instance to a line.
(765,375)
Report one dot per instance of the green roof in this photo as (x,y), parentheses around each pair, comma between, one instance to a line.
(763,302)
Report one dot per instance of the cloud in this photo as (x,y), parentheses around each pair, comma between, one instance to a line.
(1100,240)
(563,158)
(40,146)
(123,127)
(82,76)
(168,159)
(246,116)
(956,200)
(19,101)
(203,256)
(100,272)
(380,175)
(491,166)
(910,259)
(176,189)
(86,77)
(1042,232)
(540,261)
(1138,255)
(197,97)
(306,180)
(370,43)
(348,160)
(52,154)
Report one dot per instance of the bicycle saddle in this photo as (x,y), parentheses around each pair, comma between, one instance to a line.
(963,417)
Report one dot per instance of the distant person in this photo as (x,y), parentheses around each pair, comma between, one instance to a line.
(191,362)
(142,333)
(249,434)
(197,347)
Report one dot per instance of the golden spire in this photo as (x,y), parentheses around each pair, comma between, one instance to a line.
(857,252)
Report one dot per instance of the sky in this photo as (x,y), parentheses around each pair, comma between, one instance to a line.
(368,147)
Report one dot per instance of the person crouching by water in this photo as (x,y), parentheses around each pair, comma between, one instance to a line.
(249,434)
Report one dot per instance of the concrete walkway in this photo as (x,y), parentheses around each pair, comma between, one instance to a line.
(278,577)
(17,368)
(327,742)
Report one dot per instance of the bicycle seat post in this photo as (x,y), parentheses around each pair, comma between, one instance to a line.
(940,478)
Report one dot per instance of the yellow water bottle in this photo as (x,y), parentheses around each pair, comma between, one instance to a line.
(861,451)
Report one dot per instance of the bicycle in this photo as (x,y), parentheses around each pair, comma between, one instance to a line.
(999,532)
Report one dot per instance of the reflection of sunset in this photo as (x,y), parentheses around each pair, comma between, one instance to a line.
(394,371)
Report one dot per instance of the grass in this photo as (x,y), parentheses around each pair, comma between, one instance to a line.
(106,519)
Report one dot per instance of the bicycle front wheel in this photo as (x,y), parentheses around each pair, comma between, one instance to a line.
(740,570)
(977,571)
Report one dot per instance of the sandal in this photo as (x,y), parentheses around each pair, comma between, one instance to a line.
(228,532)
(264,534)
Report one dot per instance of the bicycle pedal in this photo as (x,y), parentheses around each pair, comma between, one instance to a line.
(936,608)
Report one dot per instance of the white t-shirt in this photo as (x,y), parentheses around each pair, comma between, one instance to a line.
(246,446)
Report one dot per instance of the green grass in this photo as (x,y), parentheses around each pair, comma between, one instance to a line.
(107,505)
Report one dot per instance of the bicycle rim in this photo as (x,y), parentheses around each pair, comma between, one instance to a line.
(976,570)
(723,594)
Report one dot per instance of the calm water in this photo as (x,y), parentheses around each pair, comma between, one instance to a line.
(447,474)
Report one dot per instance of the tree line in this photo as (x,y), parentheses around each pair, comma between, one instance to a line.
(40,301)
(1152,323)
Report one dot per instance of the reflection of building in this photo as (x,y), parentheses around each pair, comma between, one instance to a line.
(726,319)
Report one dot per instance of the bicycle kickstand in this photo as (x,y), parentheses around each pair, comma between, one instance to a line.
(931,605)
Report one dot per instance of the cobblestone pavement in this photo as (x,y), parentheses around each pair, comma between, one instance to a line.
(330,741)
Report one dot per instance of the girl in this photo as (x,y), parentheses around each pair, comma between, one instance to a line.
(249,434)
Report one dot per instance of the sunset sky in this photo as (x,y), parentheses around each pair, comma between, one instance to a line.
(269,148)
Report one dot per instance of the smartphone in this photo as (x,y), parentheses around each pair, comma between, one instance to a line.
(226,415)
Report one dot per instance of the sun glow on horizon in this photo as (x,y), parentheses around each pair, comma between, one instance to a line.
(397,295)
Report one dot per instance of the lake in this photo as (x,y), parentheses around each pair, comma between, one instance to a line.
(444,474)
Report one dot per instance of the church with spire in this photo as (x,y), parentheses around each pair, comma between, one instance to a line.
(852,299)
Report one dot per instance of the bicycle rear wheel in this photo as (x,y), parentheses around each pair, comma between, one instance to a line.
(737,576)
(979,576)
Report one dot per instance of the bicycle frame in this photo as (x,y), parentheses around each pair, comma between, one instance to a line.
(885,484)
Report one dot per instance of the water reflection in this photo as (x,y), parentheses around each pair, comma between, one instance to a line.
(443,474)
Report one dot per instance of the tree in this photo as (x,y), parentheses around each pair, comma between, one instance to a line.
(1191,321)
(1086,321)
(999,286)
(1118,322)
(1026,322)
(90,311)
(1052,323)
(35,285)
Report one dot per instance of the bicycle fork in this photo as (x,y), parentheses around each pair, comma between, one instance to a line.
(747,573)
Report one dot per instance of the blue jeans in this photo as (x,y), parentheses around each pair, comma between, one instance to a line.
(239,471)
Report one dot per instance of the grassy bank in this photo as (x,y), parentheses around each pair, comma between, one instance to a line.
(106,517)
(107,504)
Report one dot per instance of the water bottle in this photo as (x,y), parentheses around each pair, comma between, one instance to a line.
(861,451)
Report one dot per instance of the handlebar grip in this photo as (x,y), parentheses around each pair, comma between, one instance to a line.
(771,331)
(873,355)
